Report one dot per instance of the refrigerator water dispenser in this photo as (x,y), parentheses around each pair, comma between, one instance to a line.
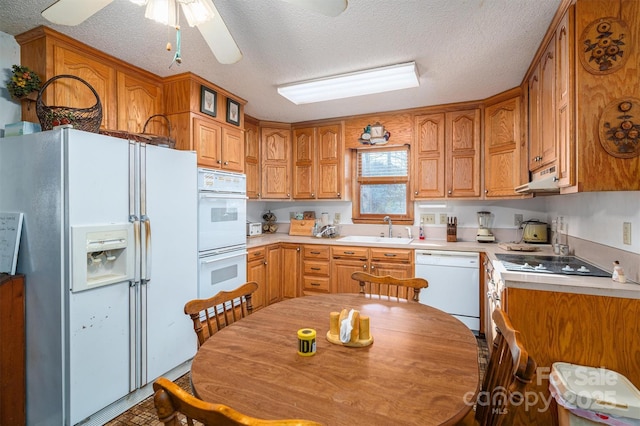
(102,255)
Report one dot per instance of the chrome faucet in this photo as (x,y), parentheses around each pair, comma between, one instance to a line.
(388,219)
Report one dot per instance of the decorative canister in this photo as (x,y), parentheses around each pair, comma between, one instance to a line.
(306,342)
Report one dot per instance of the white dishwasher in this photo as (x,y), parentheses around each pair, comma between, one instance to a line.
(454,283)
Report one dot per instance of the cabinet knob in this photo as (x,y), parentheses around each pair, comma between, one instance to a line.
(226,163)
(298,249)
(218,161)
(486,191)
(364,267)
(288,195)
(373,267)
(415,192)
(313,195)
(339,194)
(449,192)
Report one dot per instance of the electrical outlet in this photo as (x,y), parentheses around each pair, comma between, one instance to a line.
(626,233)
(517,220)
(428,218)
(443,218)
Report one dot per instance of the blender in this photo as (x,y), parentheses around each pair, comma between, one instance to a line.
(484,234)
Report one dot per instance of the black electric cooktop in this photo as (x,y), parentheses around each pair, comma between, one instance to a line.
(558,265)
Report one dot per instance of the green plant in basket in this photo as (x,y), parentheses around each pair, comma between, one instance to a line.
(23,82)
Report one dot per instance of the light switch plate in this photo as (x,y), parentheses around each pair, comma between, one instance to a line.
(626,233)
(443,218)
(428,218)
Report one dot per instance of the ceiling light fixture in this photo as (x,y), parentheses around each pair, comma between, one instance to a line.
(376,80)
(165,11)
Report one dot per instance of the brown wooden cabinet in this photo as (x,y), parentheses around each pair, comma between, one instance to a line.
(503,149)
(318,171)
(316,269)
(252,157)
(129,95)
(542,107)
(101,76)
(346,260)
(290,270)
(138,99)
(12,355)
(395,262)
(273,261)
(257,271)
(275,151)
(304,182)
(218,147)
(446,159)
(566,151)
(428,156)
(462,142)
(582,329)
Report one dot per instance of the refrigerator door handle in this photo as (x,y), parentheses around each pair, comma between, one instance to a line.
(136,239)
(146,267)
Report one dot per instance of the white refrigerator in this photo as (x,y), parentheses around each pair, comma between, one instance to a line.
(109,253)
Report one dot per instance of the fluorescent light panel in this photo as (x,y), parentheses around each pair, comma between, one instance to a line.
(377,80)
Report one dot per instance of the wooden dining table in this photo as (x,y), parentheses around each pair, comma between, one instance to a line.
(421,369)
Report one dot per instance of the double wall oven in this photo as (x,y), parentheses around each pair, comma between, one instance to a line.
(222,245)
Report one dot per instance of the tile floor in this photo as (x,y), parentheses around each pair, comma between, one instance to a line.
(145,413)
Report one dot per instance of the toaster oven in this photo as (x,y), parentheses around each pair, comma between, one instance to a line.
(254,228)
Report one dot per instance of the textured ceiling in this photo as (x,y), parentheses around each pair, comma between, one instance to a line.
(464,49)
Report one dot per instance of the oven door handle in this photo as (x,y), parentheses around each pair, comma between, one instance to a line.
(218,258)
(219,195)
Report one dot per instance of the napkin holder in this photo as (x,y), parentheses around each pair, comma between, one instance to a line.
(360,333)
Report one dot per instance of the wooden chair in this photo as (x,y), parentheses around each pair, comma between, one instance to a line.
(509,372)
(172,402)
(386,285)
(215,313)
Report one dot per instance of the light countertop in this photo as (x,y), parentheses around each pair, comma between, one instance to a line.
(570,284)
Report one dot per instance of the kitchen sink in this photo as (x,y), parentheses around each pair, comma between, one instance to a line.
(373,240)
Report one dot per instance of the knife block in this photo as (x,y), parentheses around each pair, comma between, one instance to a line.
(452,231)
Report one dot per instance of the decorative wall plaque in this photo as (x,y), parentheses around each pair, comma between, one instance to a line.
(620,128)
(605,43)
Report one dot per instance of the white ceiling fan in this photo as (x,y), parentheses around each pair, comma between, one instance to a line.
(212,27)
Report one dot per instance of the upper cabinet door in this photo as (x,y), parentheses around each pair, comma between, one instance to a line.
(138,100)
(428,156)
(73,93)
(232,150)
(276,163)
(330,159)
(252,159)
(207,135)
(463,153)
(502,149)
(304,163)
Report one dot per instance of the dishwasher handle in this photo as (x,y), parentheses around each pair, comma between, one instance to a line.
(446,253)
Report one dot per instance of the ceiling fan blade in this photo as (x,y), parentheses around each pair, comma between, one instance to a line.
(72,12)
(219,39)
(325,7)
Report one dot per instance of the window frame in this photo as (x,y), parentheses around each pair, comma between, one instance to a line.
(357,182)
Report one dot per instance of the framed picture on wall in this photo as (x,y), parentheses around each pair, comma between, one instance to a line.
(233,112)
(208,101)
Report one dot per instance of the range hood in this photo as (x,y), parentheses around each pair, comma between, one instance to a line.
(542,181)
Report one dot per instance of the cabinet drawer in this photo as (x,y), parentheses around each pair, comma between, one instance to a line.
(255,254)
(316,252)
(391,255)
(316,268)
(349,252)
(316,283)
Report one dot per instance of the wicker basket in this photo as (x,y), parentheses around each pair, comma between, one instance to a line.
(87,119)
(159,140)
